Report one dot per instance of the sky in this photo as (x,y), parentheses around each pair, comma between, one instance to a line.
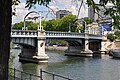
(48,14)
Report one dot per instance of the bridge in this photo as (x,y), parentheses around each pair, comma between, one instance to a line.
(34,41)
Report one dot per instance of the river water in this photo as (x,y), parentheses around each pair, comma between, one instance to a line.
(77,68)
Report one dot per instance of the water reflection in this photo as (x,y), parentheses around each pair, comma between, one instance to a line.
(78,68)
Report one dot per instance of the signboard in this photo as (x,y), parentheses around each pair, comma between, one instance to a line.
(105,26)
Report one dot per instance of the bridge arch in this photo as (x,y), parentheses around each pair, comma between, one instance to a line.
(25,42)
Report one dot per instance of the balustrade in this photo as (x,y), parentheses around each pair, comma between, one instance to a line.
(27,33)
(62,34)
(34,33)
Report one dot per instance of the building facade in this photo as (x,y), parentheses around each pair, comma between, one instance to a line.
(62,13)
(94,15)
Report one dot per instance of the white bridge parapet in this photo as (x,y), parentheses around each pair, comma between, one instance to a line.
(64,34)
(23,33)
(56,34)
(53,34)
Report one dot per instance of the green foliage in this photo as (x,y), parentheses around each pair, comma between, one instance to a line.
(79,29)
(18,26)
(111,37)
(117,33)
(58,42)
(67,21)
(60,24)
(30,3)
(15,2)
(87,20)
(51,25)
(29,24)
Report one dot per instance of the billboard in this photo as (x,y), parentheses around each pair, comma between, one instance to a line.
(105,27)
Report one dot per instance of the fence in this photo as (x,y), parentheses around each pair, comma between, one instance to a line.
(15,74)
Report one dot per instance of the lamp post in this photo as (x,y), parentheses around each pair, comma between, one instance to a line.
(69,27)
(84,25)
(39,27)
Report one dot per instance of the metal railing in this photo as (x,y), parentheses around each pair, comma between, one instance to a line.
(15,74)
(52,34)
(53,75)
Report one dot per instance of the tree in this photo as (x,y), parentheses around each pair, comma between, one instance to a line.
(50,25)
(60,24)
(79,29)
(67,21)
(5,30)
(117,34)
(87,20)
(29,24)
(111,37)
(5,25)
(18,26)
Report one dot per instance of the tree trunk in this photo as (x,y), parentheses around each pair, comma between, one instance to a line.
(5,29)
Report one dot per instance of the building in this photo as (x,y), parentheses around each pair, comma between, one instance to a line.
(62,13)
(94,15)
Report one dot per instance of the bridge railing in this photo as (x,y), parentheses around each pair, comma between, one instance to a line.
(53,34)
(57,33)
(24,32)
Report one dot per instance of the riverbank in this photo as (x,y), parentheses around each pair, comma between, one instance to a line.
(57,48)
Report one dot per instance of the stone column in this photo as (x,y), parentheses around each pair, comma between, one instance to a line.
(103,45)
(41,55)
(86,51)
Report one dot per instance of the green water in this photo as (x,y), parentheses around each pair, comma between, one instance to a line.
(77,68)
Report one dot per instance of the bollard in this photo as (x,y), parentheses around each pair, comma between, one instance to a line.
(53,76)
(30,77)
(21,75)
(41,74)
(14,73)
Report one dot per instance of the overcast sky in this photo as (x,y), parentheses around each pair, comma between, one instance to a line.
(55,5)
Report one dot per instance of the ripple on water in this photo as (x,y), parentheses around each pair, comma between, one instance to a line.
(78,68)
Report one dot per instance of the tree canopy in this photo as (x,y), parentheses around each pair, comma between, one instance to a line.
(29,24)
(51,25)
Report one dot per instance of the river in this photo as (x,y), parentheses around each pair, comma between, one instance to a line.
(77,68)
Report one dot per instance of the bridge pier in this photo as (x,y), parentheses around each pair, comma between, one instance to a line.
(35,55)
(82,50)
(27,54)
(73,49)
(86,51)
(103,50)
(41,56)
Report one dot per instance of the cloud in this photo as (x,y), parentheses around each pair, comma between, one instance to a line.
(70,5)
(21,11)
(56,5)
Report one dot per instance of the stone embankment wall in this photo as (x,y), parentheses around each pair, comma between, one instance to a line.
(111,45)
(61,48)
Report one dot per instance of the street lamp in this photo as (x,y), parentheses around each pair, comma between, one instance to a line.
(69,27)
(83,22)
(39,27)
(84,25)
